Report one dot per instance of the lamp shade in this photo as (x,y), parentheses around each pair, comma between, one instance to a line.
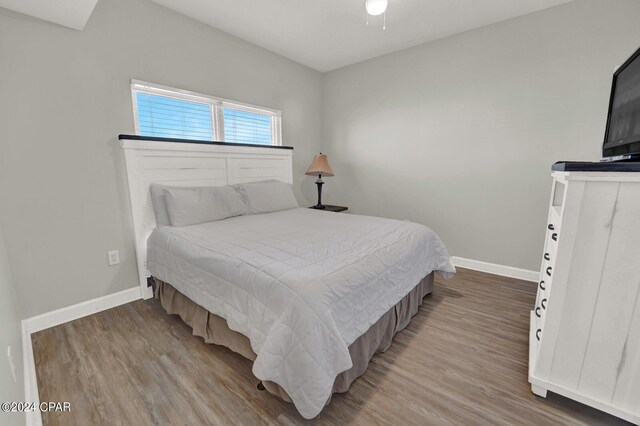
(320,166)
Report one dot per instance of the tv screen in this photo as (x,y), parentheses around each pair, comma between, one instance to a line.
(622,136)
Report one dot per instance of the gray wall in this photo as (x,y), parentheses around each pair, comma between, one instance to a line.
(459,134)
(10,335)
(64,98)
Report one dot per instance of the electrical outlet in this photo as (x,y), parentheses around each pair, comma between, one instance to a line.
(114,257)
(12,366)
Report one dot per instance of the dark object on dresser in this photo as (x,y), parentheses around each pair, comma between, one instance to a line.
(329,208)
(604,166)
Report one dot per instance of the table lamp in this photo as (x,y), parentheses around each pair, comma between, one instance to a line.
(319,166)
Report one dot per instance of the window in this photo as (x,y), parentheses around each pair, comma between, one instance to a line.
(173,118)
(246,126)
(173,113)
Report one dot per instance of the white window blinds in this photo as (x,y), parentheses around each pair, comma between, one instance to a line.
(162,111)
(167,117)
(241,126)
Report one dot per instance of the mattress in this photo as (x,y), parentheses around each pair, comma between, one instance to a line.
(301,284)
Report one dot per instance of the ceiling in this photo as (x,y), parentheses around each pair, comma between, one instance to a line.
(329,34)
(322,34)
(69,13)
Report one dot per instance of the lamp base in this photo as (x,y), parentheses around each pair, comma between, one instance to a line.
(319,182)
(319,207)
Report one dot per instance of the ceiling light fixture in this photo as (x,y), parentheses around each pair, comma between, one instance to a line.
(376,8)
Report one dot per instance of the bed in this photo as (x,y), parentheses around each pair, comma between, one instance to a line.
(309,296)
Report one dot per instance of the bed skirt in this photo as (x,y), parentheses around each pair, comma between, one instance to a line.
(378,338)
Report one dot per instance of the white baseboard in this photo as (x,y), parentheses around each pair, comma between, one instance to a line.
(33,418)
(57,317)
(83,309)
(494,268)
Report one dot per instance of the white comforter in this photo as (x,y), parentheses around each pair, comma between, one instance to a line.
(301,284)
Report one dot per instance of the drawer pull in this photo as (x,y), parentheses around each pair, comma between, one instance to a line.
(550,227)
(547,257)
(554,236)
(542,287)
(538,312)
(549,271)
(543,303)
(538,334)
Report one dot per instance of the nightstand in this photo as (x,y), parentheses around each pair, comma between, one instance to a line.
(328,208)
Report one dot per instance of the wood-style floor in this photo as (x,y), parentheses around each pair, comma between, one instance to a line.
(461,361)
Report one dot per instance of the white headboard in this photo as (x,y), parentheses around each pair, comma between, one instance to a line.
(191,164)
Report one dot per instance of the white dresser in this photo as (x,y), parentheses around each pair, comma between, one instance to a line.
(584,340)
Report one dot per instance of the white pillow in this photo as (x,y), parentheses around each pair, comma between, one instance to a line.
(159,206)
(267,196)
(190,206)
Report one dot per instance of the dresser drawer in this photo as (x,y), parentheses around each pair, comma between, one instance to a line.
(543,289)
(548,259)
(551,240)
(545,279)
(537,333)
(534,326)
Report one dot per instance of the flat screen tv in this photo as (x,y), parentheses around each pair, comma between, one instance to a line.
(622,134)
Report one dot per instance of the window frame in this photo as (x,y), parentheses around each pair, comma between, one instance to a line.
(216,104)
